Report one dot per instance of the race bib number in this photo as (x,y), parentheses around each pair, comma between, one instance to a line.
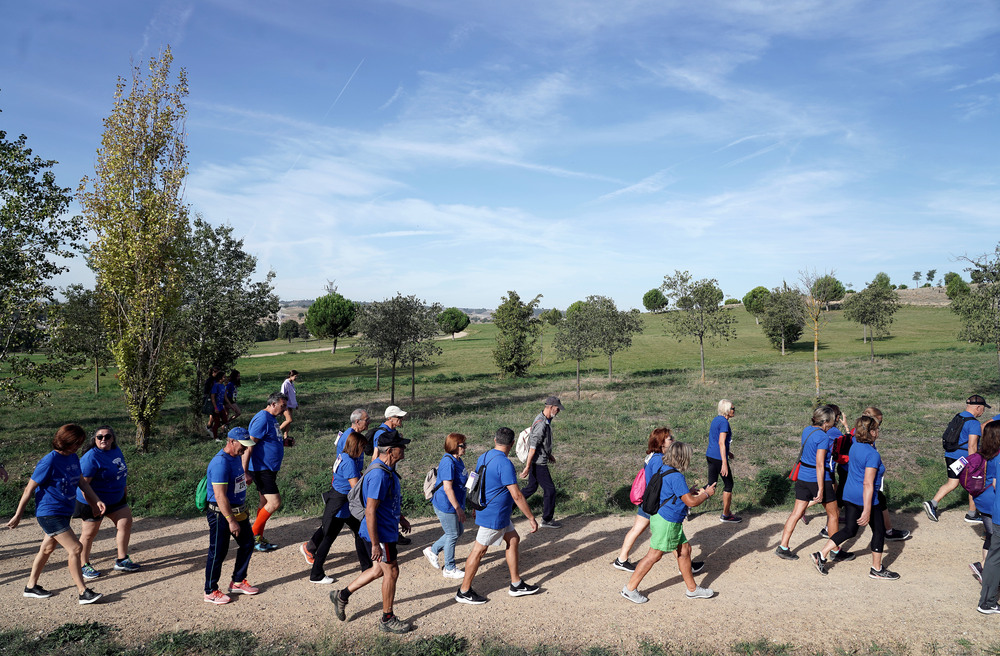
(241,483)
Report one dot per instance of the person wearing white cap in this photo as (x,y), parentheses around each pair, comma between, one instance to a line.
(393,420)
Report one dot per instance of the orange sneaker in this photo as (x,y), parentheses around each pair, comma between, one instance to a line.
(244,588)
(216,597)
(306,554)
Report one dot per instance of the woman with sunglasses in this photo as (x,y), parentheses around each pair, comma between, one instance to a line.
(449,505)
(103,467)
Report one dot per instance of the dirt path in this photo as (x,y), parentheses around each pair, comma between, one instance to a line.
(758,595)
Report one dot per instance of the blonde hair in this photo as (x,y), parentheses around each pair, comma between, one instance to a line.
(725,405)
(864,428)
(678,455)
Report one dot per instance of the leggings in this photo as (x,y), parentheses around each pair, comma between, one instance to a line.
(715,469)
(852,512)
(987,530)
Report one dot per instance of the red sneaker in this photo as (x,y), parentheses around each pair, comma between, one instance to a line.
(216,597)
(244,588)
(305,553)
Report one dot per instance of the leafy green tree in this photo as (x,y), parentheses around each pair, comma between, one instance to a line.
(873,307)
(422,349)
(452,321)
(551,317)
(267,330)
(79,332)
(755,301)
(827,289)
(391,329)
(882,280)
(289,330)
(783,317)
(956,287)
(698,315)
(654,301)
(612,329)
(134,207)
(33,231)
(951,275)
(916,277)
(331,316)
(575,339)
(930,276)
(979,310)
(517,331)
(222,305)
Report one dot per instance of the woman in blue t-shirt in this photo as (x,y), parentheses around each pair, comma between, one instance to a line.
(103,466)
(449,504)
(989,448)
(54,483)
(233,383)
(657,443)
(861,504)
(991,563)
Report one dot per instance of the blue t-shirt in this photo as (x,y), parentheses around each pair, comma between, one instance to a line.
(984,502)
(270,449)
(107,473)
(673,488)
(231,392)
(382,428)
(815,439)
(227,470)
(863,456)
(451,469)
(57,477)
(969,428)
(384,486)
(719,425)
(654,465)
(498,475)
(219,390)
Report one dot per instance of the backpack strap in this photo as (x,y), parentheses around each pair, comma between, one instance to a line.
(802,451)
(673,497)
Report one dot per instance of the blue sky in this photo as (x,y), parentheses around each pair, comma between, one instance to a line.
(457,150)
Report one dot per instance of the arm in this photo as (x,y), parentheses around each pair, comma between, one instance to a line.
(222,501)
(723,454)
(449,491)
(88,493)
(29,489)
(353,481)
(528,462)
(869,490)
(704,494)
(371,505)
(973,443)
(248,475)
(522,505)
(820,475)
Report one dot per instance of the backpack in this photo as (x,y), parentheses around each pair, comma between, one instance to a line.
(354,498)
(476,488)
(973,476)
(201,494)
(430,483)
(651,495)
(639,483)
(521,446)
(842,448)
(952,434)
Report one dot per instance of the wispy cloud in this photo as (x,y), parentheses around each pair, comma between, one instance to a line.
(986,80)
(167,25)
(395,96)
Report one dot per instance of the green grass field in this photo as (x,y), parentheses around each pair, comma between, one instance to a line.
(921,374)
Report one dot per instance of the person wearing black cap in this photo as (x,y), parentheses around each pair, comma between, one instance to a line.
(536,465)
(968,439)
(380,491)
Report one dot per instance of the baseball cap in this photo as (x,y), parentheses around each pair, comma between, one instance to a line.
(241,435)
(394,411)
(391,438)
(975,399)
(554,400)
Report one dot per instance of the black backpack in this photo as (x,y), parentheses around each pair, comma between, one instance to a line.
(651,495)
(952,434)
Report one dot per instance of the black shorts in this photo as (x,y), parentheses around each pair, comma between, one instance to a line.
(84,512)
(807,491)
(947,467)
(714,469)
(266,481)
(389,553)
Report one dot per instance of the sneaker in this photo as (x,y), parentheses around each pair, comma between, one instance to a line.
(216,597)
(37,592)
(470,597)
(432,558)
(523,588)
(339,605)
(403,540)
(550,523)
(988,609)
(453,573)
(126,565)
(262,545)
(243,587)
(304,550)
(843,556)
(697,566)
(977,571)
(394,625)
(820,563)
(634,596)
(897,535)
(700,593)
(730,519)
(974,518)
(931,510)
(89,573)
(623,566)
(89,597)
(883,574)
(785,553)
(823,533)
(326,580)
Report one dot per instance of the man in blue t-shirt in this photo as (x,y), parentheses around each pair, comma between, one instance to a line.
(262,462)
(227,516)
(500,483)
(382,497)
(968,441)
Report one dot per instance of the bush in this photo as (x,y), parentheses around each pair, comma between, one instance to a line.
(732,301)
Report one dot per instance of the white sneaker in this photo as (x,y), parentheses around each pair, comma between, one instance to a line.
(700,593)
(453,573)
(326,580)
(432,558)
(634,596)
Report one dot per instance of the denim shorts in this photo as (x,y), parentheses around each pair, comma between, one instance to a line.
(53,525)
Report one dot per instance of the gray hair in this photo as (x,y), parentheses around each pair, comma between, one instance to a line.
(725,405)
(823,415)
(357,415)
(504,436)
(276,397)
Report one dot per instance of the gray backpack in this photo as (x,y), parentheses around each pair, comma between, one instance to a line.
(355,501)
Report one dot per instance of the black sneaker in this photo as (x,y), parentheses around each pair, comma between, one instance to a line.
(403,540)
(931,510)
(988,609)
(820,563)
(470,597)
(340,606)
(522,589)
(883,574)
(89,596)
(843,556)
(823,533)
(623,566)
(394,625)
(697,566)
(897,535)
(785,554)
(974,518)
(977,571)
(549,523)
(37,592)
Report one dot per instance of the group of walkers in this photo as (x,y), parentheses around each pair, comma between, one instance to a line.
(841,470)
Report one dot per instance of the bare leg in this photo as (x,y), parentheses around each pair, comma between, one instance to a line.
(390,574)
(638,528)
(472,565)
(42,557)
(366,577)
(683,553)
(832,516)
(285,424)
(945,489)
(643,566)
(87,535)
(797,512)
(727,502)
(513,540)
(123,521)
(67,540)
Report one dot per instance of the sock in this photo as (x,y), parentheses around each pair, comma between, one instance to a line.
(934,504)
(345,595)
(387,616)
(258,524)
(834,553)
(516,584)
(783,548)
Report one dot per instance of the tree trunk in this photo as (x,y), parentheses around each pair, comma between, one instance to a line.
(541,346)
(142,428)
(782,344)
(609,367)
(701,347)
(97,376)
(816,353)
(864,333)
(871,348)
(377,380)
(453,335)
(577,380)
(413,381)
(392,389)
(334,351)
(757,319)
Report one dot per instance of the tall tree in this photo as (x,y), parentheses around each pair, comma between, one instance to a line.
(79,331)
(422,348)
(289,329)
(134,207)
(698,314)
(873,307)
(551,317)
(916,277)
(331,316)
(827,289)
(979,309)
(654,301)
(783,318)
(453,321)
(222,305)
(612,329)
(517,331)
(755,301)
(815,297)
(881,279)
(930,276)
(574,338)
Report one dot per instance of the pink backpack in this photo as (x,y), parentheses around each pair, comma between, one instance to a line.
(638,487)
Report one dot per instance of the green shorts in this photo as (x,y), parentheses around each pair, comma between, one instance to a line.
(666,536)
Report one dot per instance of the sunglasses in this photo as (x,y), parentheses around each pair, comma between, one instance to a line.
(104,436)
